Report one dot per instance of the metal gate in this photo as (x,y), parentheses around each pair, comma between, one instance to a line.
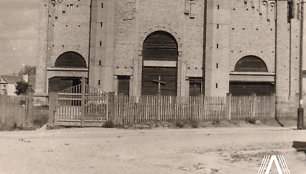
(79,105)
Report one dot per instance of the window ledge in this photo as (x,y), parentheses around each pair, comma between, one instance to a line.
(68,69)
(253,73)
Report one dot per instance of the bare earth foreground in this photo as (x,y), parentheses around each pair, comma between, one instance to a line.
(162,151)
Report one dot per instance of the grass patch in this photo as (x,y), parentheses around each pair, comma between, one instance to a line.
(179,124)
(109,124)
(40,116)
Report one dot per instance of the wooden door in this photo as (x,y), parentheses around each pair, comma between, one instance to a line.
(167,75)
(249,88)
(161,49)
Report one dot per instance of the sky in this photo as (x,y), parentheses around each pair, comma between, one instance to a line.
(18,34)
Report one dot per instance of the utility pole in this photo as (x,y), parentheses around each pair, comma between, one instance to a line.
(300,119)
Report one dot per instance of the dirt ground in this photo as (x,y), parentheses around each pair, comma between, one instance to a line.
(162,150)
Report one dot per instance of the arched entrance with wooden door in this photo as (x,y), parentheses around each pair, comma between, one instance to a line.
(251,76)
(67,69)
(159,71)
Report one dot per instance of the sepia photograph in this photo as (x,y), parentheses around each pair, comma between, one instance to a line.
(152,86)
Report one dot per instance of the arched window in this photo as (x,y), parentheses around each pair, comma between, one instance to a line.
(161,46)
(70,60)
(251,64)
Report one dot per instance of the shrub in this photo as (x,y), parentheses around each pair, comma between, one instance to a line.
(216,122)
(22,87)
(194,124)
(40,116)
(179,124)
(109,124)
(251,120)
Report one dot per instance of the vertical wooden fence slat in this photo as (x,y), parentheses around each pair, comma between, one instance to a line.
(30,105)
(254,106)
(228,104)
(82,101)
(111,108)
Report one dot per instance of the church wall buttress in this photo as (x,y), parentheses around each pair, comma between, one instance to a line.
(217,48)
(97,37)
(282,50)
(108,46)
(42,50)
(294,57)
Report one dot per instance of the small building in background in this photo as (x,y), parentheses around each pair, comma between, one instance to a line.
(8,84)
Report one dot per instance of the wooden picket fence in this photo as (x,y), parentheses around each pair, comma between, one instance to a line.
(171,108)
(95,109)
(167,108)
(16,111)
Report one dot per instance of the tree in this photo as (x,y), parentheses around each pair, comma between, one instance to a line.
(28,69)
(22,87)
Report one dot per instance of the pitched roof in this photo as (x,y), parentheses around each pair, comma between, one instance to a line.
(11,79)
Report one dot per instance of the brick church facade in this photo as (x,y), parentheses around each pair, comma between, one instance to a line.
(186,47)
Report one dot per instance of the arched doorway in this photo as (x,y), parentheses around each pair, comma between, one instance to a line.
(67,74)
(159,71)
(57,84)
(251,70)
